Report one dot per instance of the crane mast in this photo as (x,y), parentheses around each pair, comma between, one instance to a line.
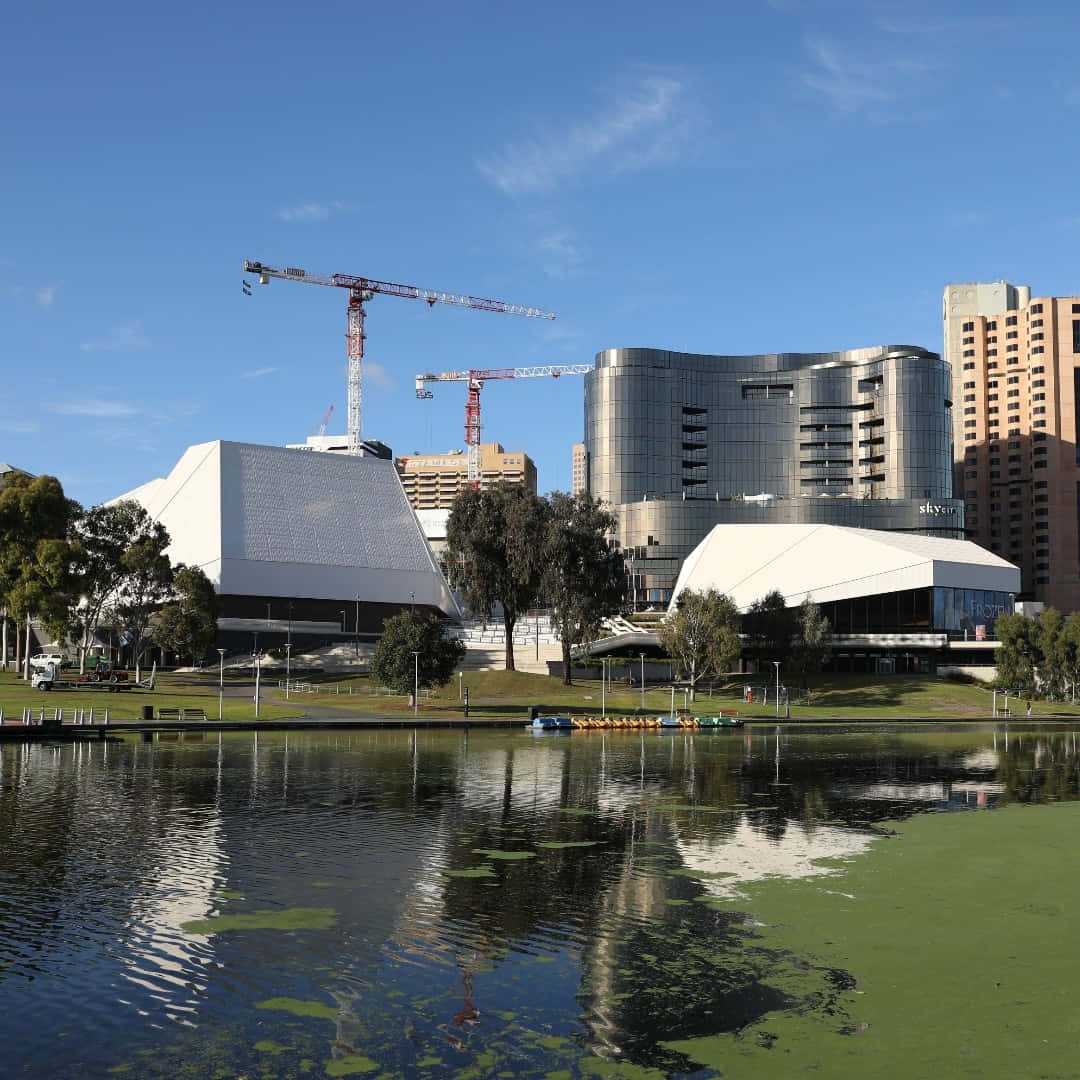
(474,380)
(361,290)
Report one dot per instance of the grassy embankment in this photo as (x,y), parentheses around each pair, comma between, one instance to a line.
(951,937)
(170,692)
(507,694)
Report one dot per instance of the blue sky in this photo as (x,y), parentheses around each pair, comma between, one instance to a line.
(758,177)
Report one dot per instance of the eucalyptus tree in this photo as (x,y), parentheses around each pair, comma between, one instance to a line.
(1019,654)
(583,574)
(702,635)
(494,542)
(35,555)
(144,581)
(187,622)
(813,639)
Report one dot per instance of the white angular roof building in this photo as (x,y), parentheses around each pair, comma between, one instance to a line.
(323,539)
(835,562)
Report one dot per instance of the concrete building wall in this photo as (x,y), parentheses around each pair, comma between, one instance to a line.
(1016,454)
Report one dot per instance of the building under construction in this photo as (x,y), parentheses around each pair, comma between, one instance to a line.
(434,481)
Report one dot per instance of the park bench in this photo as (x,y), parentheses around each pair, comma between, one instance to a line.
(729,712)
(192,714)
(168,714)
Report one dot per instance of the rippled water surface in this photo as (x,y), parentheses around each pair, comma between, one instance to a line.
(437,903)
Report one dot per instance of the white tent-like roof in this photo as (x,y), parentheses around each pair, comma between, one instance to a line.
(835,562)
(269,521)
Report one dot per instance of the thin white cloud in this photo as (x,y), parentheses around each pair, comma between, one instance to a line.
(651,124)
(19,427)
(310,211)
(97,407)
(376,374)
(849,85)
(257,373)
(45,297)
(560,254)
(125,336)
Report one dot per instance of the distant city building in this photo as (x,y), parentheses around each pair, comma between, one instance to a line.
(1016,403)
(338,444)
(677,443)
(959,304)
(433,481)
(578,480)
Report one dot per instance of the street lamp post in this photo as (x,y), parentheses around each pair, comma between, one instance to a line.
(603,687)
(356,627)
(258,671)
(416,682)
(221,680)
(776,664)
(642,682)
(288,667)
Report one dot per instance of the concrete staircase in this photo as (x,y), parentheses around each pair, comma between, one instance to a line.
(486,645)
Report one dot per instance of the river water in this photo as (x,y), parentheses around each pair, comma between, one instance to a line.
(434,903)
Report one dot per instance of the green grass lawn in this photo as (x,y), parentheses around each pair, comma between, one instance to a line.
(170,692)
(507,694)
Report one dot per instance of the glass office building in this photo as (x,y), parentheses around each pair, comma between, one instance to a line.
(679,442)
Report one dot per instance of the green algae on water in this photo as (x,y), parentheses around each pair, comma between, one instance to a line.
(485,871)
(350,1065)
(314,1009)
(558,845)
(268,1046)
(286,919)
(505,856)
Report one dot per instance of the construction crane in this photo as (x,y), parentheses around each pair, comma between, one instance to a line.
(325,421)
(361,290)
(475,378)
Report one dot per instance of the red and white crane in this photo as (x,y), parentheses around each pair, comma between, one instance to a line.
(475,378)
(361,290)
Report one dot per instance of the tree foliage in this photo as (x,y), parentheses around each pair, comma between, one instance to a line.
(494,541)
(101,536)
(35,554)
(436,656)
(144,580)
(1019,653)
(812,647)
(771,627)
(702,635)
(583,575)
(187,624)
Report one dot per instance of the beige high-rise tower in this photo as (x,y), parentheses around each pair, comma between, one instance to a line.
(1016,424)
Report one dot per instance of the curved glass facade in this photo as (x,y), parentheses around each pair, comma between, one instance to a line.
(679,442)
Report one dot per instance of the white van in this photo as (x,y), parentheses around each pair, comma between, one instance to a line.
(43,659)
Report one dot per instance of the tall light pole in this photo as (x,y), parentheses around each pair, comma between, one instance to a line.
(776,664)
(221,680)
(356,627)
(288,667)
(416,683)
(258,672)
(642,682)
(603,686)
